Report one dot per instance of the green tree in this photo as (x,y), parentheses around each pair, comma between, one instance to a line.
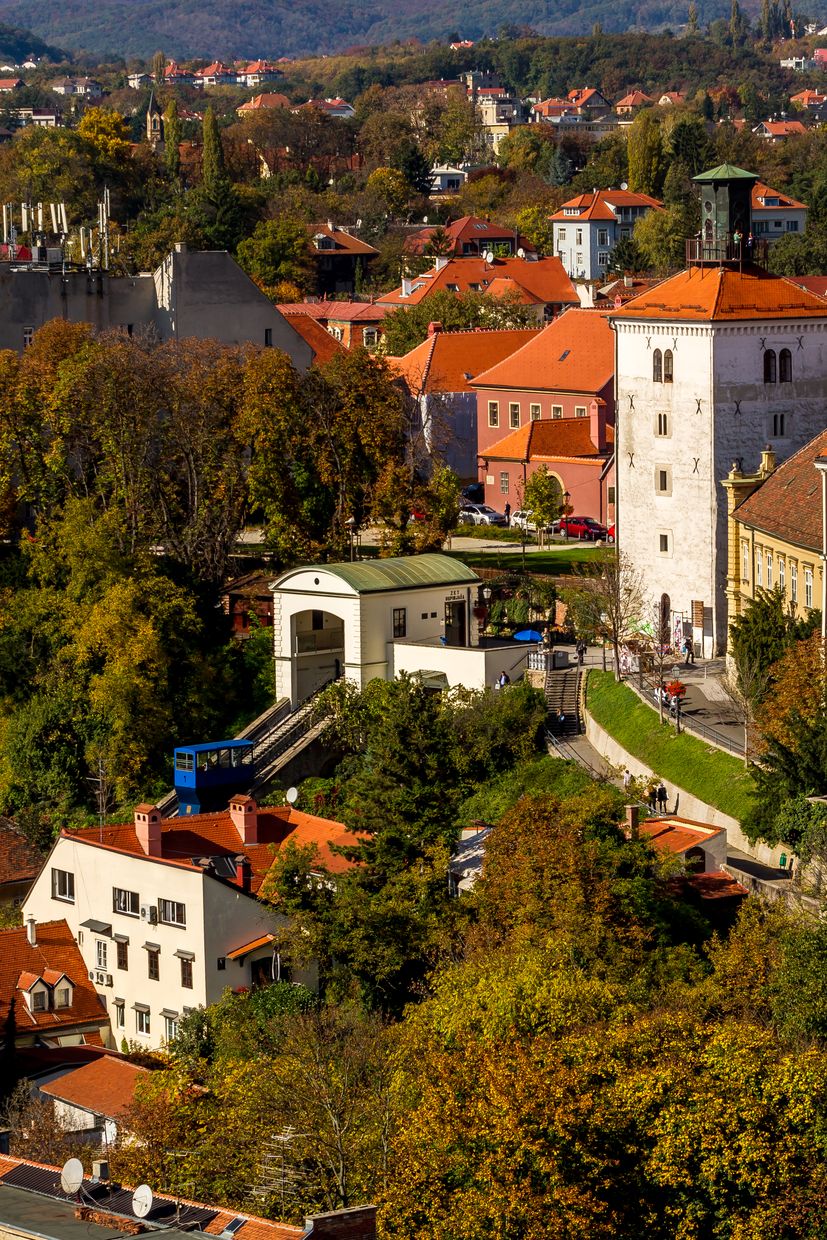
(534,224)
(172,139)
(645,152)
(159,65)
(543,497)
(213,170)
(278,250)
(660,237)
(405,328)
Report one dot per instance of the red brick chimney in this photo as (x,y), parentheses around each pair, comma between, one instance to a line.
(243,872)
(244,816)
(433,328)
(597,423)
(148,829)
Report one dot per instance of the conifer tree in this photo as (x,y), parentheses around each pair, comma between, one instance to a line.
(692,24)
(172,139)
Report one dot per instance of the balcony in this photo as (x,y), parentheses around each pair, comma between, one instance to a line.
(700,252)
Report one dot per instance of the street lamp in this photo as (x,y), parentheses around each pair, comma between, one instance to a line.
(351,526)
(566,510)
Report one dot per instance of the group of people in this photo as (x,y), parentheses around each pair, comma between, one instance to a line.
(657,795)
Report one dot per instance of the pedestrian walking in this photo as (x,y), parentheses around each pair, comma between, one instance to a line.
(653,797)
(688,651)
(561,721)
(663,799)
(627,779)
(507,511)
(580,649)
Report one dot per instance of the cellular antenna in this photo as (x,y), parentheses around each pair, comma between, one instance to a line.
(71,1176)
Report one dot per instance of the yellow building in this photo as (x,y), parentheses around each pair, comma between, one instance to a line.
(775,532)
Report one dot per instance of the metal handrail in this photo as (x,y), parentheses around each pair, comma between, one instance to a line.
(688,722)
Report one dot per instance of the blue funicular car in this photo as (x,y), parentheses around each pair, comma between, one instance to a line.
(207,775)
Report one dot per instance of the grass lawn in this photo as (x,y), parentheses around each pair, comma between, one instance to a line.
(542,776)
(554,563)
(715,777)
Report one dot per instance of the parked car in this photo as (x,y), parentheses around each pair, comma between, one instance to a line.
(480,514)
(580,527)
(610,533)
(474,493)
(523,519)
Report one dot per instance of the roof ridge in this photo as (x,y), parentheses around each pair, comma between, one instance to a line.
(426,369)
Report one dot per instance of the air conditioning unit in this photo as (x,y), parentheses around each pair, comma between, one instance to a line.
(100,977)
(149,913)
(91,975)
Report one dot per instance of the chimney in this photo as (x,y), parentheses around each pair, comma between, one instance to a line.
(407,286)
(330,225)
(597,423)
(632,820)
(243,872)
(148,829)
(433,328)
(441,262)
(767,461)
(31,931)
(627,281)
(244,816)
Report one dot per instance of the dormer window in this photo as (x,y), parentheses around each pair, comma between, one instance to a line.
(323,242)
(39,1003)
(63,997)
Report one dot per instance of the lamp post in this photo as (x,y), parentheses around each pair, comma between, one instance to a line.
(351,526)
(566,509)
(486,597)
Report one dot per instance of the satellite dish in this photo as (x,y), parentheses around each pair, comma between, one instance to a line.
(624,185)
(71,1177)
(521,252)
(142,1200)
(489,256)
(291,796)
(424,219)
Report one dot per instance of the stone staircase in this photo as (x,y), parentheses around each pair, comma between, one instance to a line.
(562,693)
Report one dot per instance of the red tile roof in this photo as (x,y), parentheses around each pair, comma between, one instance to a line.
(56,950)
(635,99)
(598,205)
(345,243)
(814,284)
(716,885)
(677,835)
(575,353)
(618,291)
(447,361)
(782,129)
(106,1086)
(324,347)
(467,228)
(555,439)
(338,311)
(761,190)
(20,861)
(543,278)
(788,504)
(215,835)
(270,99)
(706,294)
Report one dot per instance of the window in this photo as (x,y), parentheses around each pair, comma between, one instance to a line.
(370,337)
(504,482)
(127,901)
(664,544)
(184,762)
(268,337)
(153,965)
(580,411)
(769,570)
(663,480)
(808,587)
(514,416)
(557,411)
(579,260)
(120,1014)
(782,575)
(758,574)
(667,366)
(316,621)
(602,236)
(785,366)
(745,560)
(794,583)
(63,886)
(336,332)
(779,425)
(578,237)
(170,1028)
(493,413)
(171,913)
(63,997)
(603,258)
(663,424)
(792,225)
(141,1021)
(534,413)
(101,952)
(769,366)
(657,366)
(610,495)
(186,974)
(28,336)
(122,955)
(561,234)
(400,621)
(39,1001)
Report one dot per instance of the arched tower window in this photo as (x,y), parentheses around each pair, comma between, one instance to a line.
(657,366)
(785,366)
(667,366)
(769,366)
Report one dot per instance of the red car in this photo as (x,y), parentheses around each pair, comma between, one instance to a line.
(610,533)
(580,527)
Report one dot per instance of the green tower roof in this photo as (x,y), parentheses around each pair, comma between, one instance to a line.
(726,172)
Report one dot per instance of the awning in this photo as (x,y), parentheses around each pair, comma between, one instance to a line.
(140,1007)
(121,938)
(170,1015)
(246,948)
(152,947)
(99,927)
(182,955)
(433,680)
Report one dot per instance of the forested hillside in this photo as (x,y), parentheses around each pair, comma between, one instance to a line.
(278,27)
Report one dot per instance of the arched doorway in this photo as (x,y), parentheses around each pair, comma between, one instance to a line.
(317,648)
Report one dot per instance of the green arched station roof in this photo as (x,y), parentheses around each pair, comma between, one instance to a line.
(410,572)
